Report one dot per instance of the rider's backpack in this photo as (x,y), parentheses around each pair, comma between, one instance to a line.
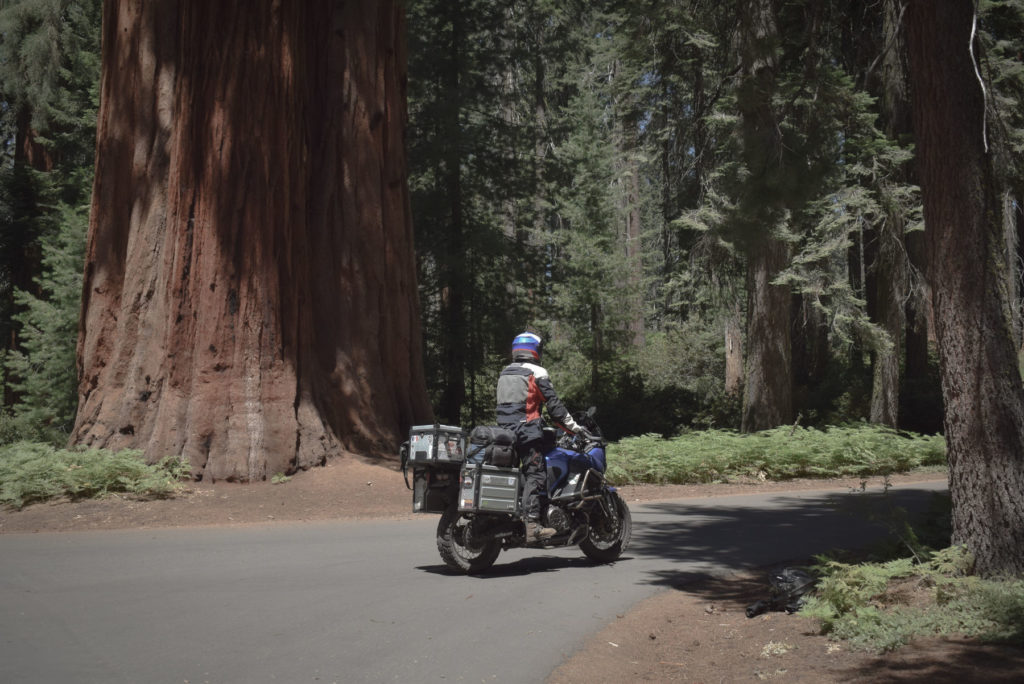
(492,445)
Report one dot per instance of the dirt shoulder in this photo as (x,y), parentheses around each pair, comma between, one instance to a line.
(694,633)
(347,488)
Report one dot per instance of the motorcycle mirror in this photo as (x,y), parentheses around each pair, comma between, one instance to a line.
(592,411)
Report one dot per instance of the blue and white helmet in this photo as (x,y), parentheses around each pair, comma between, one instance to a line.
(527,343)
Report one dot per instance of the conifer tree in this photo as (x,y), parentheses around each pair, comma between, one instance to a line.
(968,262)
(44,374)
(49,79)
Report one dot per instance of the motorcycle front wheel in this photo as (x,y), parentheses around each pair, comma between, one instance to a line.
(609,535)
(458,549)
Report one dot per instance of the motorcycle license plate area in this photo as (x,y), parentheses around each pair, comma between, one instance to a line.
(491,489)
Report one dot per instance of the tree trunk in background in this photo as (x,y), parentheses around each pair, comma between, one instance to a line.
(981,383)
(768,390)
(250,299)
(453,267)
(631,234)
(810,354)
(890,273)
(890,293)
(27,148)
(734,350)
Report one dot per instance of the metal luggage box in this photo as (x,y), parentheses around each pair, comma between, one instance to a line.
(429,444)
(433,487)
(491,489)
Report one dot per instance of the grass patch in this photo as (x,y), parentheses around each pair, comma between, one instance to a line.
(31,472)
(779,454)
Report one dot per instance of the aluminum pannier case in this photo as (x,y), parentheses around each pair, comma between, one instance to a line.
(491,489)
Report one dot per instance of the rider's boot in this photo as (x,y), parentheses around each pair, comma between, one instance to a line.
(537,532)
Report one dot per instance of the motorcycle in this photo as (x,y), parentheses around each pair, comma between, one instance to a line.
(480,499)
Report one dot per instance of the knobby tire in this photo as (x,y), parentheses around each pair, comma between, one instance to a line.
(450,544)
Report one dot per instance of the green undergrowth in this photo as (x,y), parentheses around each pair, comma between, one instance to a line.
(882,606)
(779,454)
(912,585)
(31,472)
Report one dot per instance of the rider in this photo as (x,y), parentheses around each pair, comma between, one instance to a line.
(523,387)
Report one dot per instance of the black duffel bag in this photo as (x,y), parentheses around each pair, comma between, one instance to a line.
(492,445)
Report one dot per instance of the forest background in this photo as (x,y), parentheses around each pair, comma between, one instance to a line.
(585,168)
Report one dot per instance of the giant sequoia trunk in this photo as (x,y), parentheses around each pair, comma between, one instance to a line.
(249,298)
(981,383)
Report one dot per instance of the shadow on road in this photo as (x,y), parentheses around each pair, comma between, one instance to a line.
(711,537)
(521,567)
(737,535)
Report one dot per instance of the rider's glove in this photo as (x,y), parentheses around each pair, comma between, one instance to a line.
(588,435)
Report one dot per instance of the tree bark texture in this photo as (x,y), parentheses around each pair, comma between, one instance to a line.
(250,298)
(734,350)
(981,384)
(768,390)
(27,148)
(768,387)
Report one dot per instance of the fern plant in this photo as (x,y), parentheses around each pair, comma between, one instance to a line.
(779,454)
(882,606)
(31,472)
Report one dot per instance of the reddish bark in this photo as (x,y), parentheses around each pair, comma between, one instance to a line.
(27,148)
(768,387)
(967,259)
(734,351)
(250,295)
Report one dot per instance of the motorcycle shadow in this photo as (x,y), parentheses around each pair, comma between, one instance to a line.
(523,566)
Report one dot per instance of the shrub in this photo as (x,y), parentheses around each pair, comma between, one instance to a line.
(31,472)
(882,606)
(779,454)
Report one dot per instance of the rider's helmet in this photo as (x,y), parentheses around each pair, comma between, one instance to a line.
(527,346)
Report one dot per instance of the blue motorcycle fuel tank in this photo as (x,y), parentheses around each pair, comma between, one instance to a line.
(563,463)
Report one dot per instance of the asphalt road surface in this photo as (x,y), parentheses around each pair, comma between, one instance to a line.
(369,601)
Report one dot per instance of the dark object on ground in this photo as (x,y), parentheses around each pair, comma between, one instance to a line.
(787,588)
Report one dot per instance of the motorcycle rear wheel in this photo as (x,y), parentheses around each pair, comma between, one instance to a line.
(459,552)
(609,537)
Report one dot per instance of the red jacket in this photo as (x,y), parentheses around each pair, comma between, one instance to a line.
(523,389)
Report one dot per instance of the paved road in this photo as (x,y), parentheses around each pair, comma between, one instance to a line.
(364,602)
